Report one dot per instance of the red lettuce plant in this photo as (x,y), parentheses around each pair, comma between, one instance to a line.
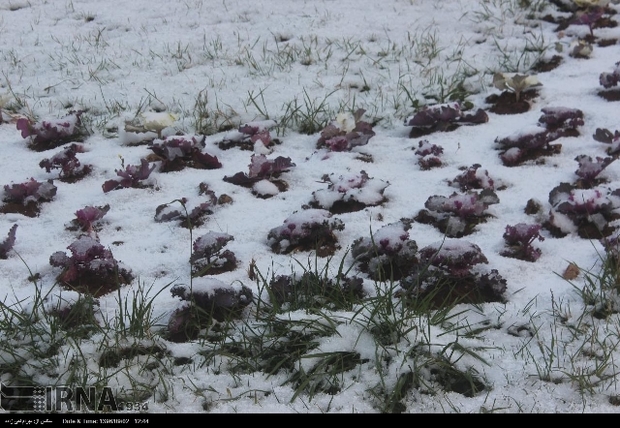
(207,255)
(609,80)
(91,268)
(254,136)
(263,170)
(7,244)
(589,169)
(534,142)
(585,211)
(25,198)
(131,176)
(206,300)
(429,155)
(187,215)
(87,218)
(388,253)
(519,239)
(445,277)
(475,177)
(314,291)
(349,193)
(179,152)
(311,229)
(71,169)
(346,132)
(458,214)
(442,117)
(49,134)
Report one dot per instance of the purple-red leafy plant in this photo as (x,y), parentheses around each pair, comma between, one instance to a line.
(261,169)
(206,300)
(209,257)
(534,142)
(49,134)
(589,169)
(442,117)
(346,132)
(71,169)
(445,276)
(25,198)
(519,239)
(475,177)
(388,253)
(91,268)
(458,214)
(178,152)
(589,17)
(306,230)
(349,193)
(585,211)
(604,135)
(131,176)
(429,155)
(254,136)
(87,218)
(187,215)
(609,80)
(7,244)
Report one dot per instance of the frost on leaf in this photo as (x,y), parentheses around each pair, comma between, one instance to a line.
(49,134)
(458,214)
(307,230)
(388,253)
(442,117)
(446,276)
(91,268)
(25,198)
(7,244)
(71,169)
(588,212)
(131,176)
(346,132)
(254,136)
(209,257)
(207,300)
(178,152)
(429,155)
(519,239)
(349,193)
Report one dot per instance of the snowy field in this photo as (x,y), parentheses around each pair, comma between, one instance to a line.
(171,84)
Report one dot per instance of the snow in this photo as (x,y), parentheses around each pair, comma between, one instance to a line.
(253,62)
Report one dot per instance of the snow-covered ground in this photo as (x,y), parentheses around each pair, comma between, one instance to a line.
(243,60)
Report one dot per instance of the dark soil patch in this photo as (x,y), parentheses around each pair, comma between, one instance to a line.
(545,66)
(418,131)
(506,102)
(31,209)
(610,94)
(607,42)
(113,358)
